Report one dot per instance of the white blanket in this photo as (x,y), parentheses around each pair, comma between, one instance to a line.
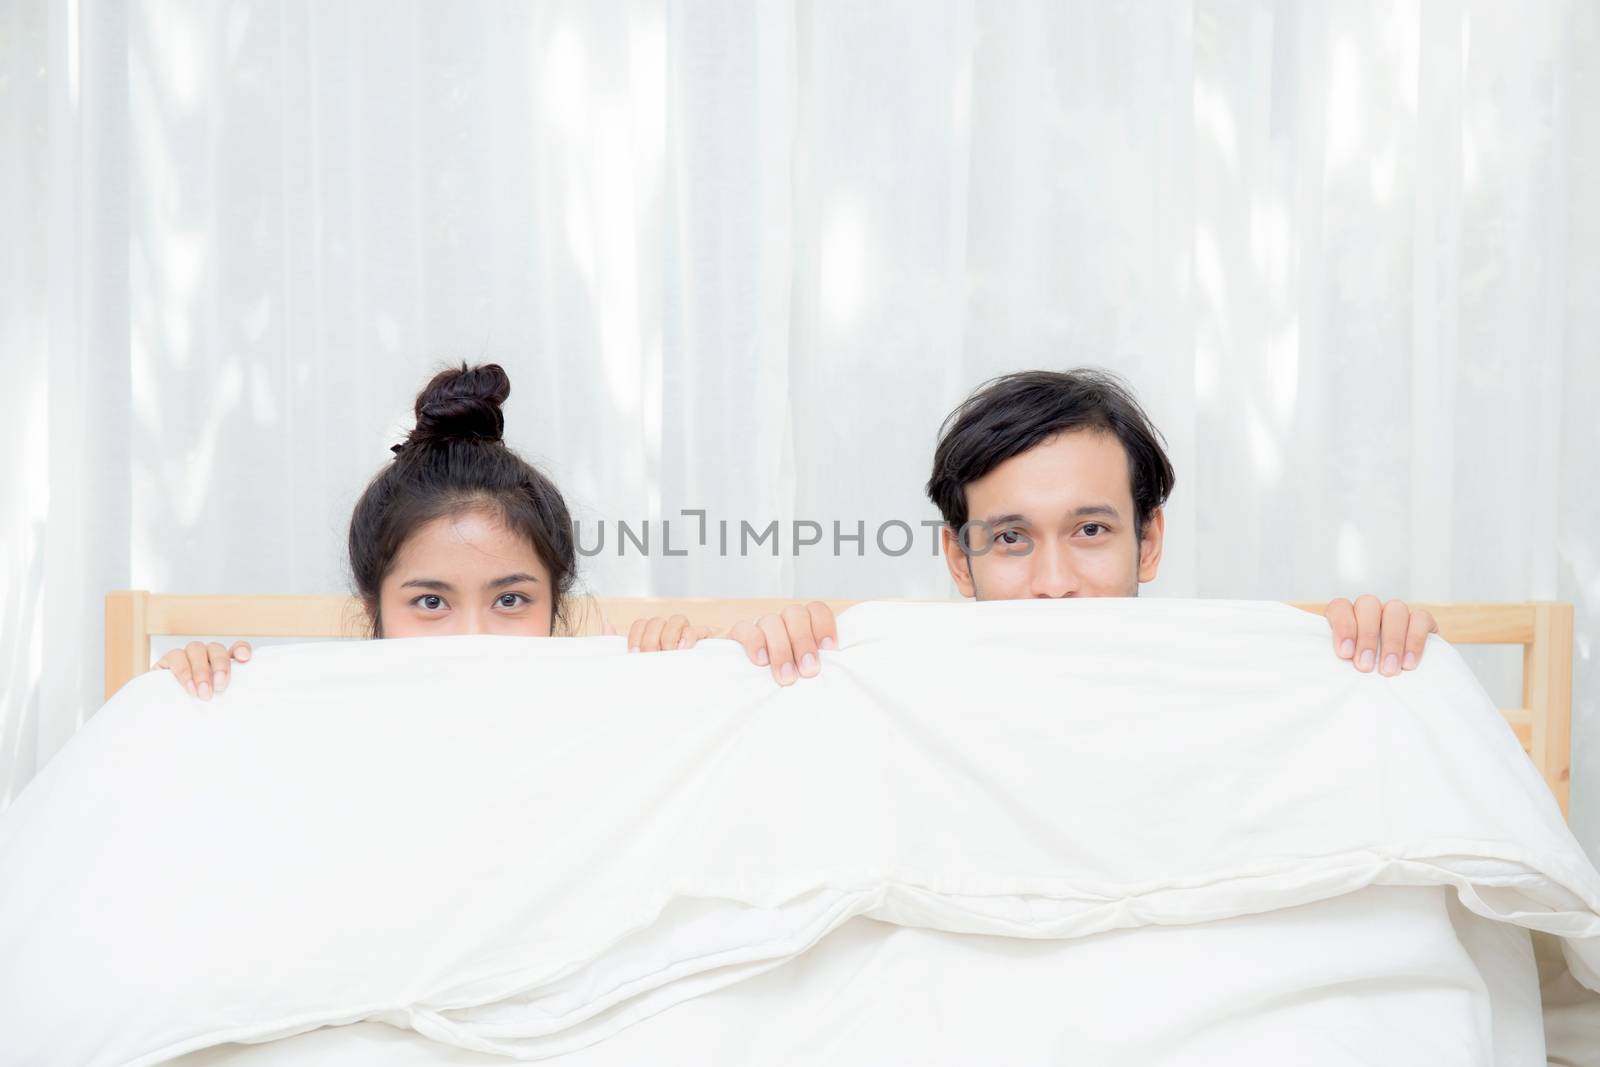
(524,847)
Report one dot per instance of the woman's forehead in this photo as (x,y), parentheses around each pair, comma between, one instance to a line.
(466,543)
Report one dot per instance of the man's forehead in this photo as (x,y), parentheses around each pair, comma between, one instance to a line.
(1061,476)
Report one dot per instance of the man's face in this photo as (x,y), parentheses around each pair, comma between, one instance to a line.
(1055,521)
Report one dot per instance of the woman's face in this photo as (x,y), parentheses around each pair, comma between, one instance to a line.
(466,574)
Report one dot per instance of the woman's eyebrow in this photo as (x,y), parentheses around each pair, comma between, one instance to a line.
(511,579)
(428,583)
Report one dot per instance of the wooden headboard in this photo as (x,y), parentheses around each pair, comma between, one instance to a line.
(1544,630)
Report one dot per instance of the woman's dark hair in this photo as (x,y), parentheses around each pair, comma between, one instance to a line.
(1009,415)
(454,462)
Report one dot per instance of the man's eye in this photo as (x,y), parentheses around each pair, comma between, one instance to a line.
(1010,537)
(1093,528)
(511,600)
(430,601)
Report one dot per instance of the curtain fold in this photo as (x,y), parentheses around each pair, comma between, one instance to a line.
(740,259)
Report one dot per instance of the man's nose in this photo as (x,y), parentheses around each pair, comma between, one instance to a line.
(1053,574)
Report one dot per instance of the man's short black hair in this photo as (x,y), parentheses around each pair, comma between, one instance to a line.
(1009,415)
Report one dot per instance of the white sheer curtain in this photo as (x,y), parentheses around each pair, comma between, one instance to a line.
(743,257)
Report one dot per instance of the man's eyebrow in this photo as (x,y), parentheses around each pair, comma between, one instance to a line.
(428,583)
(1099,511)
(512,579)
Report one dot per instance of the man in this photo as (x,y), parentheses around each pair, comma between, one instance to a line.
(1052,484)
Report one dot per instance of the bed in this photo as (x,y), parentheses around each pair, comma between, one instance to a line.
(1543,629)
(1123,832)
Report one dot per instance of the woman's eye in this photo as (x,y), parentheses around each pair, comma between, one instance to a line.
(511,600)
(430,601)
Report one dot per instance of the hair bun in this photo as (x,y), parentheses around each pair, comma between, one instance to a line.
(462,402)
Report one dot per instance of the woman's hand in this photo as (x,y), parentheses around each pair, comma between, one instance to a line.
(201,668)
(663,634)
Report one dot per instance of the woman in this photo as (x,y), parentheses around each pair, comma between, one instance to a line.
(456,535)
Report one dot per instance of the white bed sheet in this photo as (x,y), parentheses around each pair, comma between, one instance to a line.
(547,847)
(1399,975)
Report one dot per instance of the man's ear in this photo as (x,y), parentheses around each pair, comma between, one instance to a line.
(1150,545)
(957,560)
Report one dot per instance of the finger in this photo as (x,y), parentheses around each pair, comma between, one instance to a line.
(651,640)
(823,625)
(802,642)
(778,649)
(1392,636)
(754,641)
(1369,616)
(1422,624)
(636,634)
(219,664)
(177,661)
(241,651)
(693,636)
(672,631)
(200,666)
(1341,616)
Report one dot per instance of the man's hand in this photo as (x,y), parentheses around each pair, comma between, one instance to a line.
(789,642)
(1370,633)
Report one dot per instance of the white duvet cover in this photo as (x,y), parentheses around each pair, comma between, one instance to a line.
(1387,974)
(1085,832)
